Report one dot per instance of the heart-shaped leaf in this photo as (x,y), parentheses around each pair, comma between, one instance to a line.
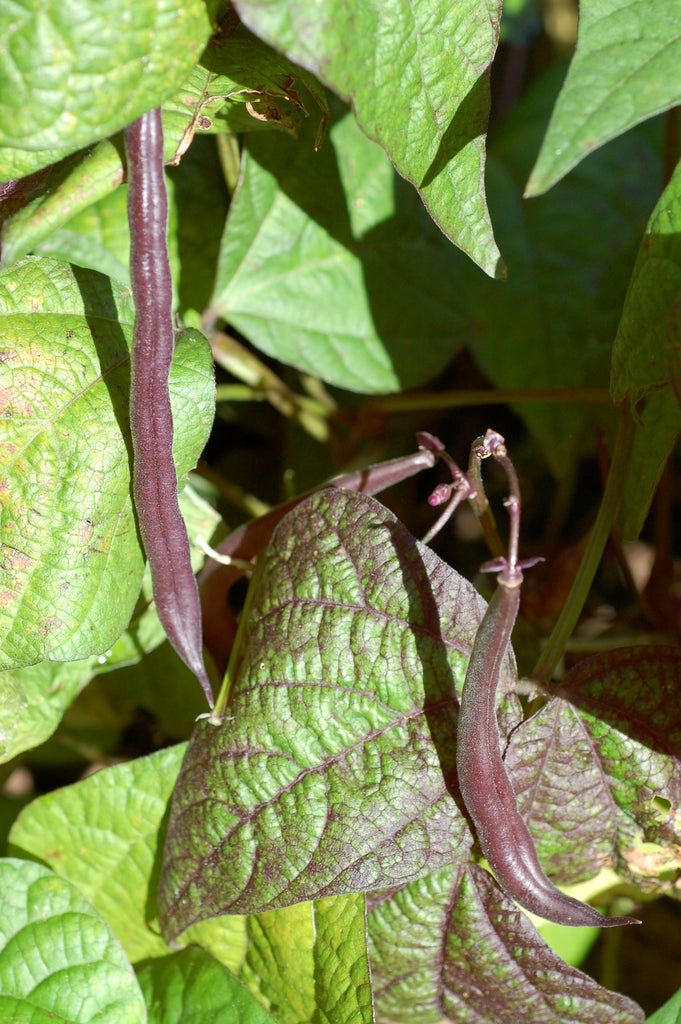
(427,104)
(340,742)
(35,697)
(103,835)
(624,70)
(329,263)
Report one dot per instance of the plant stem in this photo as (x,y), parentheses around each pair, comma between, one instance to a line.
(419,401)
(572,608)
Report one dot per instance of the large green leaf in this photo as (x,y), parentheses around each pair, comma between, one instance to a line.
(329,263)
(625,69)
(647,355)
(73,74)
(340,742)
(233,73)
(34,698)
(72,558)
(59,962)
(309,963)
(103,835)
(451,947)
(641,357)
(418,78)
(193,988)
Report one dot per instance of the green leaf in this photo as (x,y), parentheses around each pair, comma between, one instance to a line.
(61,65)
(192,987)
(580,240)
(59,195)
(453,946)
(625,69)
(34,698)
(328,263)
(96,238)
(342,981)
(340,741)
(308,963)
(398,302)
(641,355)
(646,355)
(657,428)
(670,1013)
(418,79)
(59,962)
(279,963)
(73,562)
(102,834)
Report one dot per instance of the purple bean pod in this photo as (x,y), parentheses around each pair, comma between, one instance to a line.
(162,527)
(487,792)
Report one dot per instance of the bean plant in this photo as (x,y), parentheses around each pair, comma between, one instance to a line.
(267,756)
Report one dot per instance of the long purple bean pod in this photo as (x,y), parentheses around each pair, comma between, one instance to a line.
(162,527)
(504,837)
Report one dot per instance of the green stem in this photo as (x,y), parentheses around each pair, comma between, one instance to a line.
(421,401)
(572,608)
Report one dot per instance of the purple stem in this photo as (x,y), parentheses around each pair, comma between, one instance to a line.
(162,527)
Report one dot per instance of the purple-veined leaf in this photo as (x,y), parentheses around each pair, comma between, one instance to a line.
(334,774)
(629,703)
(453,946)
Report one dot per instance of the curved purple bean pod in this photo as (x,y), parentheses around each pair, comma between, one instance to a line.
(504,837)
(164,534)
